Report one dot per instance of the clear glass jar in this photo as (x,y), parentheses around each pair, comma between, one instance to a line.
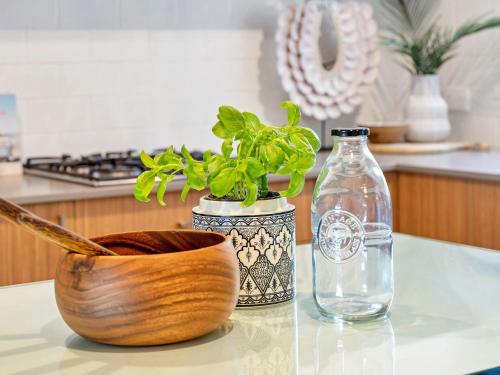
(352,232)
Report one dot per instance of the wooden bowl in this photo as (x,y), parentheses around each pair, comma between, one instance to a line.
(386,132)
(149,299)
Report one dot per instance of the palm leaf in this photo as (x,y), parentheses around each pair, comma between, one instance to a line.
(408,16)
(475,26)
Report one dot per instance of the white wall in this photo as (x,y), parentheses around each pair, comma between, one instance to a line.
(103,75)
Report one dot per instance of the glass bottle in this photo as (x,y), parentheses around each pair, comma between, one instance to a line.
(352,232)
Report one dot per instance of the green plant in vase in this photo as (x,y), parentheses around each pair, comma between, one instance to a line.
(250,151)
(412,29)
(414,32)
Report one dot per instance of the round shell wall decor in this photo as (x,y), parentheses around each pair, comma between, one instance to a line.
(321,92)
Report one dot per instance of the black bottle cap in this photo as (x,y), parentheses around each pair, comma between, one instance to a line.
(350,132)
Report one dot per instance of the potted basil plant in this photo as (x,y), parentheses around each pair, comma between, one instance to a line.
(260,222)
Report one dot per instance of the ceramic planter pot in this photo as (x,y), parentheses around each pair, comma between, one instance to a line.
(263,236)
(426,111)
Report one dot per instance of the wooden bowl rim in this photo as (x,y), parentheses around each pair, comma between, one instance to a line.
(223,238)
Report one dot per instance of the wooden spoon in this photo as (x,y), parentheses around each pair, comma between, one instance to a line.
(51,232)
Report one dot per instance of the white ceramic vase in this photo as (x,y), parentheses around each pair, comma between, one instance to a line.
(426,111)
(263,236)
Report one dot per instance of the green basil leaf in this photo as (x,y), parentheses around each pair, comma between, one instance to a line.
(242,166)
(245,136)
(312,138)
(293,112)
(207,156)
(305,162)
(289,166)
(173,166)
(301,142)
(295,186)
(287,149)
(195,174)
(216,164)
(220,131)
(143,185)
(164,155)
(227,148)
(254,169)
(231,118)
(244,146)
(286,169)
(147,160)
(252,191)
(224,182)
(272,156)
(162,187)
(251,121)
(187,156)
(185,191)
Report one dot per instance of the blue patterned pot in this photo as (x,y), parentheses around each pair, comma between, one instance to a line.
(264,239)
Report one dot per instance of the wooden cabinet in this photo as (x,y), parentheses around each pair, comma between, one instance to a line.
(392,183)
(97,217)
(449,208)
(445,208)
(24,257)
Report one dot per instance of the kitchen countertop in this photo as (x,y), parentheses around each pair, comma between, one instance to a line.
(484,165)
(444,320)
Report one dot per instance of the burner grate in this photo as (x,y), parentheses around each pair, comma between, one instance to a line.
(96,169)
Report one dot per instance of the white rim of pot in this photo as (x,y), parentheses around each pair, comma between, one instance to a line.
(212,207)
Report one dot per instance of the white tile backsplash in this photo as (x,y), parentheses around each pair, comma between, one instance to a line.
(42,144)
(13,47)
(55,46)
(122,45)
(135,77)
(133,111)
(57,115)
(96,75)
(212,45)
(94,90)
(40,81)
(84,142)
(12,79)
(89,78)
(174,46)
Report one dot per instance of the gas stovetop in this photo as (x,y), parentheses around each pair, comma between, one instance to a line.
(110,168)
